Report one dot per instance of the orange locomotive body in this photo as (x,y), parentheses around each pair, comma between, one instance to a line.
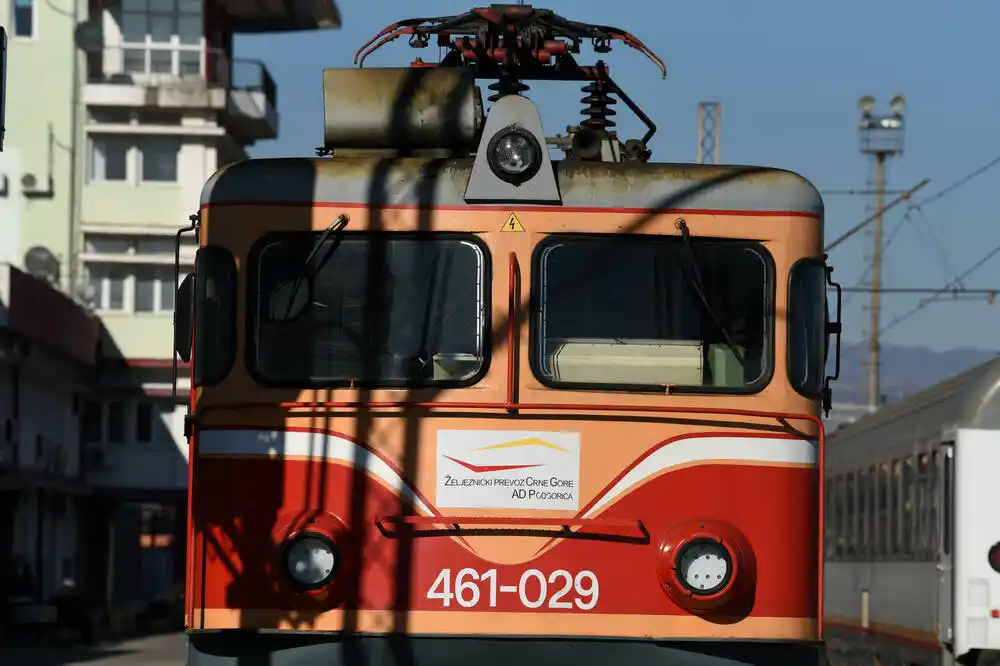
(493,406)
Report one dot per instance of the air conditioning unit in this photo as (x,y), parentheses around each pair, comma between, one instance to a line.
(34,187)
(30,183)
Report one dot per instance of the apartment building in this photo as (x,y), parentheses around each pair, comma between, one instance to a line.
(117,113)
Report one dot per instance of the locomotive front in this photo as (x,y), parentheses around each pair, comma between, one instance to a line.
(455,399)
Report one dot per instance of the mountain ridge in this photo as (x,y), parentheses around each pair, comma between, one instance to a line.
(904,370)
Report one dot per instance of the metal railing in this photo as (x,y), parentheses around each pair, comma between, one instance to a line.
(252,75)
(168,63)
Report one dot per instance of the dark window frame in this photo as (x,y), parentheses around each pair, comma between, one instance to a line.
(767,349)
(222,362)
(250,323)
(818,392)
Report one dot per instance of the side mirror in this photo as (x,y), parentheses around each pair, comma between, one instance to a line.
(183,311)
(834,327)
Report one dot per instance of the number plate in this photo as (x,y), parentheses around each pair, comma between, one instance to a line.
(559,590)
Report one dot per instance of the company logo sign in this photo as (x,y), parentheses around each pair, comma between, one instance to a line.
(504,469)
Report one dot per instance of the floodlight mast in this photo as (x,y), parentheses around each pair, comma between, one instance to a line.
(515,43)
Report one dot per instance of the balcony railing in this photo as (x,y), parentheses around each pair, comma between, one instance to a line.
(158,64)
(251,93)
(252,75)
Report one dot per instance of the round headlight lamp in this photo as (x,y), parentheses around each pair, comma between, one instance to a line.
(704,567)
(311,560)
(514,155)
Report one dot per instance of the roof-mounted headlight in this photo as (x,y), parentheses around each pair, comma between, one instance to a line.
(514,155)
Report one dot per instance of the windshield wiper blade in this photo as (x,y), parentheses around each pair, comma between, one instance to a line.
(699,290)
(336,226)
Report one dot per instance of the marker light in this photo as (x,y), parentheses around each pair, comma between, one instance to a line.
(311,560)
(514,155)
(994,557)
(704,567)
(707,566)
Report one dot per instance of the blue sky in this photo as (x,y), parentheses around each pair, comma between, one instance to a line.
(788,74)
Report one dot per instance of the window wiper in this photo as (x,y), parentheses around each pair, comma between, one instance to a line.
(335,227)
(699,290)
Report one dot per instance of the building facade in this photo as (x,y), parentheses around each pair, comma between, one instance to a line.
(118,111)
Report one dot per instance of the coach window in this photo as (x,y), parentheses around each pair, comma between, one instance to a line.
(947,499)
(852,516)
(882,534)
(643,312)
(936,498)
(807,326)
(896,509)
(369,309)
(861,481)
(925,499)
(838,515)
(214,315)
(870,512)
(909,497)
(830,520)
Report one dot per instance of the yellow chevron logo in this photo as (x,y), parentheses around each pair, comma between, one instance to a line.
(519,443)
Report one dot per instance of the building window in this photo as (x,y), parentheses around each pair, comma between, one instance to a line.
(91,423)
(162,36)
(159,158)
(133,287)
(154,289)
(144,415)
(107,286)
(116,422)
(101,243)
(134,160)
(109,158)
(23,13)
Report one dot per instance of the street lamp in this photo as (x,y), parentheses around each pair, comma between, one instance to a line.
(881,133)
(881,137)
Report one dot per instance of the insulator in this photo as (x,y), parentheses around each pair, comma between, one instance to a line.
(598,110)
(506,86)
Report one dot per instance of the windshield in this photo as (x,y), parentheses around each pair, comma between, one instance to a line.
(626,312)
(381,310)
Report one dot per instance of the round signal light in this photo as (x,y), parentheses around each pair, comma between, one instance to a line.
(311,560)
(312,556)
(707,566)
(704,567)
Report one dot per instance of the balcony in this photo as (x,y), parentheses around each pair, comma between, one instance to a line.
(171,75)
(280,15)
(252,105)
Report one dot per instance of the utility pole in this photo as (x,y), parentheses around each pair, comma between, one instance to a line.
(709,132)
(881,137)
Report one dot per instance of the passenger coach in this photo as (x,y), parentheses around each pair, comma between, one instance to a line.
(913,530)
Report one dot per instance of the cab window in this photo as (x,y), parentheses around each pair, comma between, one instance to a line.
(807,316)
(645,312)
(369,309)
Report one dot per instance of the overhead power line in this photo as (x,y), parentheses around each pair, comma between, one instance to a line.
(960,182)
(871,218)
(857,192)
(941,292)
(950,291)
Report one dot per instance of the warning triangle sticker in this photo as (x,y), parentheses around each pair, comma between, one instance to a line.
(512,224)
